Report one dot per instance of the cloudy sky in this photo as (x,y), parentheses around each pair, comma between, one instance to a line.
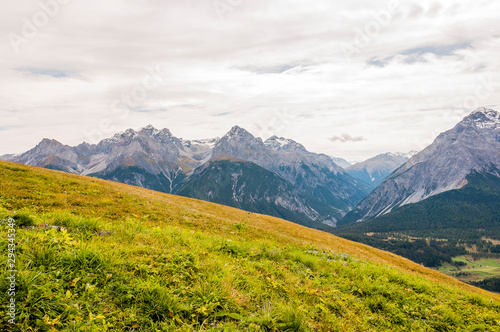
(347,78)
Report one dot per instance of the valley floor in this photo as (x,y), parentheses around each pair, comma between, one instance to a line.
(474,270)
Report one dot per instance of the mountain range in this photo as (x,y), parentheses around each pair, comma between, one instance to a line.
(124,257)
(278,176)
(247,186)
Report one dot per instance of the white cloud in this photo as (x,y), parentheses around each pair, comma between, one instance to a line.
(344,138)
(273,67)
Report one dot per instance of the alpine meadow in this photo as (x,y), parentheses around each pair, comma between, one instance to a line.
(101,256)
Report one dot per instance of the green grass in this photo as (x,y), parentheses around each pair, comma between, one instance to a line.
(129,259)
(473,270)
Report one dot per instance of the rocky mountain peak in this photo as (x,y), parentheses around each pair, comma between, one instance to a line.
(376,169)
(341,162)
(149,130)
(238,131)
(405,155)
(486,111)
(157,160)
(484,118)
(48,142)
(165,131)
(127,134)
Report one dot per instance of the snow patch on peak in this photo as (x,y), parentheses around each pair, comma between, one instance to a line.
(281,143)
(127,134)
(276,142)
(485,111)
(485,118)
(130,134)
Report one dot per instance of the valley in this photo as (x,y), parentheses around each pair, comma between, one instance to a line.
(472,270)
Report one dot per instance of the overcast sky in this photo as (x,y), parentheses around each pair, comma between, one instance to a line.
(346,78)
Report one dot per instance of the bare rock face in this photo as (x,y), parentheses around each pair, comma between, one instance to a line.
(472,145)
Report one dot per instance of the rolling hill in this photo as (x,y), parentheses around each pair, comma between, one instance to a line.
(103,256)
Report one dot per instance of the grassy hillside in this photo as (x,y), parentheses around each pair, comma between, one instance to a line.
(130,259)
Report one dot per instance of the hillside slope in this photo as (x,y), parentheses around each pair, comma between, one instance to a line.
(131,259)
